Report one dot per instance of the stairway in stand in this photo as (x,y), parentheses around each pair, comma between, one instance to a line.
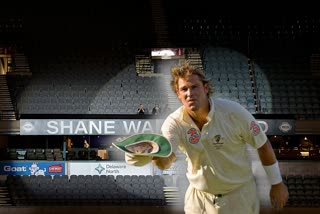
(194,56)
(173,101)
(6,108)
(5,199)
(160,25)
(144,64)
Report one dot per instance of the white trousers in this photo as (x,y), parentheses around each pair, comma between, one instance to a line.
(244,200)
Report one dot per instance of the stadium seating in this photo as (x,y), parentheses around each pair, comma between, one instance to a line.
(121,190)
(303,190)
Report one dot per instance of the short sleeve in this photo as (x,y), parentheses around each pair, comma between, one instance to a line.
(170,130)
(251,131)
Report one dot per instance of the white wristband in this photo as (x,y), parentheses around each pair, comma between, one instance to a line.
(273,173)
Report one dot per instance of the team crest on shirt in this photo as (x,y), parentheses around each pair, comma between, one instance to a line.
(255,128)
(217,138)
(217,141)
(194,136)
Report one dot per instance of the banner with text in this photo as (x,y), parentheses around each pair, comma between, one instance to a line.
(124,127)
(32,168)
(88,127)
(108,168)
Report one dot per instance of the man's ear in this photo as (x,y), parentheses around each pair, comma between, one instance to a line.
(177,93)
(206,87)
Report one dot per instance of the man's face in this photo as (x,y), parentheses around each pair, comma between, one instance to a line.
(192,92)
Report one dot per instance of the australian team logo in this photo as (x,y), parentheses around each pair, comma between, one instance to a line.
(194,136)
(217,138)
(255,128)
(217,141)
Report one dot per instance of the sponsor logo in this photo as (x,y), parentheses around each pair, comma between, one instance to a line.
(255,128)
(194,136)
(285,127)
(99,168)
(264,126)
(28,126)
(14,168)
(56,168)
(35,169)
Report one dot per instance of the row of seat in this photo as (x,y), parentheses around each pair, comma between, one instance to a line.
(304,190)
(120,94)
(278,79)
(90,190)
(123,90)
(31,154)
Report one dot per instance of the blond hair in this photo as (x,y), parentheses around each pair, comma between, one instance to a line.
(184,70)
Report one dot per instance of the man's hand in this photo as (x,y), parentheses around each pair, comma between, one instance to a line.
(164,163)
(137,160)
(279,195)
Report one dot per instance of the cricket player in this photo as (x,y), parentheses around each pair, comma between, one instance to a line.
(213,133)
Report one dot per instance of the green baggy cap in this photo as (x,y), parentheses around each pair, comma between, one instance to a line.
(145,144)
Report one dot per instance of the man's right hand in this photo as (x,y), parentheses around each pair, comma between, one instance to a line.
(164,162)
(137,160)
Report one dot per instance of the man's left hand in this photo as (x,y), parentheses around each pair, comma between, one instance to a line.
(279,195)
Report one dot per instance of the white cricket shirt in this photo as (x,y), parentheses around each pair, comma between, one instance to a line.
(217,156)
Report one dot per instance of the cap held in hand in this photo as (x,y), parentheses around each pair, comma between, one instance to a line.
(145,144)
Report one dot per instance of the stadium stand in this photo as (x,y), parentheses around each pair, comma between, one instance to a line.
(95,63)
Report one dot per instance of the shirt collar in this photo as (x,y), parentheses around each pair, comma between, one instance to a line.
(185,117)
(212,109)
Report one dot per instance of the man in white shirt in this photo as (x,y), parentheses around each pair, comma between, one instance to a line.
(213,134)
